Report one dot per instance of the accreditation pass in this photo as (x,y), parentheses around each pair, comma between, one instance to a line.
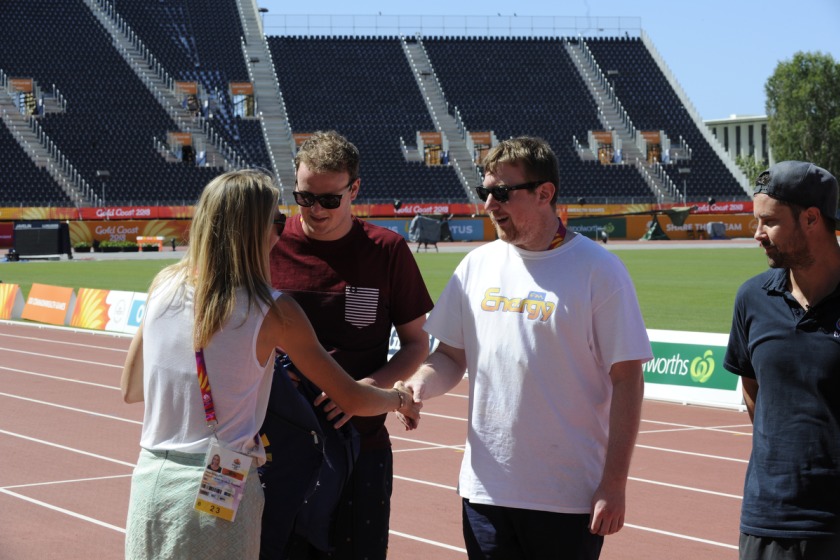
(223,482)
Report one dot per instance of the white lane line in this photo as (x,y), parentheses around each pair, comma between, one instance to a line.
(680,536)
(689,488)
(65,448)
(428,541)
(681,427)
(55,377)
(99,414)
(122,530)
(675,430)
(54,342)
(692,453)
(445,416)
(71,481)
(64,511)
(62,358)
(44,326)
(639,527)
(425,482)
(421,442)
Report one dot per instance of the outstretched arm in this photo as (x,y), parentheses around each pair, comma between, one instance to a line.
(442,371)
(608,502)
(286,326)
(414,348)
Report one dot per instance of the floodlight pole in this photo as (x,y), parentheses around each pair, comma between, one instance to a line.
(103,174)
(684,171)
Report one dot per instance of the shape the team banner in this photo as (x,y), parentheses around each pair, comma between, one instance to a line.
(49,304)
(11,301)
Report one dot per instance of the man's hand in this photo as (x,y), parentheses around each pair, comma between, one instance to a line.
(415,388)
(607,516)
(333,410)
(409,415)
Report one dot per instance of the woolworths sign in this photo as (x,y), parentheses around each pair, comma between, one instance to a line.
(687,367)
(693,365)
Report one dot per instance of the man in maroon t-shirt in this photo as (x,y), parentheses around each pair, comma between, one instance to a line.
(355,281)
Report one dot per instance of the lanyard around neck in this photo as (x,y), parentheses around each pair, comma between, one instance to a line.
(204,387)
(558,238)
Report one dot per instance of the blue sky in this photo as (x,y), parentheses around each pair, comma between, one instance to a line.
(721,51)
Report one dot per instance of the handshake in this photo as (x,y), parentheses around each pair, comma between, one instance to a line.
(408,412)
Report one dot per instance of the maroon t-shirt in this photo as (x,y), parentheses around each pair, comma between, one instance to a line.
(352,290)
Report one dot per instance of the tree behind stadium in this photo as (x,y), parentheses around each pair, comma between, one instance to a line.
(803,110)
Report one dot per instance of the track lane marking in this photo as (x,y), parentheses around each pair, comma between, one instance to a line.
(63,510)
(54,342)
(55,377)
(427,541)
(62,358)
(73,409)
(692,453)
(681,536)
(66,448)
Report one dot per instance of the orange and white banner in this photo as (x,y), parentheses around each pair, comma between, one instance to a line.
(11,301)
(108,310)
(49,304)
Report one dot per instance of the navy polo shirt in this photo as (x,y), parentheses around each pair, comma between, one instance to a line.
(792,487)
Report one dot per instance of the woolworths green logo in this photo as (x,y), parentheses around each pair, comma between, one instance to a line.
(701,369)
(691,365)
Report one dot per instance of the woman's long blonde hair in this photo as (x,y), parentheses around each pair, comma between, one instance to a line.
(228,248)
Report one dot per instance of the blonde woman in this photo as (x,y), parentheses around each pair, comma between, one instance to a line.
(218,299)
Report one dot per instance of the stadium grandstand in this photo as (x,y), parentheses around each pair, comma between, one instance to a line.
(119,102)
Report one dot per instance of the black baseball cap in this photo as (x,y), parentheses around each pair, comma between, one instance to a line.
(800,183)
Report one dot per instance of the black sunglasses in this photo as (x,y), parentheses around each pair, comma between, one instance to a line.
(502,194)
(327,201)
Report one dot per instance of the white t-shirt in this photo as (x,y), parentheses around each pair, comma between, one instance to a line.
(174,417)
(540,331)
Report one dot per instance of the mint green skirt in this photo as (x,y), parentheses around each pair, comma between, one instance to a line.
(162,523)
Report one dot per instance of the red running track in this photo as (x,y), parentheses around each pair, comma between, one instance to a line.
(68,445)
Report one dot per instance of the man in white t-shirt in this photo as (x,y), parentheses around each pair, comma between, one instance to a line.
(547,324)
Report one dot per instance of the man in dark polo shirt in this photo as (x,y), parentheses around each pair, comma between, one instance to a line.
(785,345)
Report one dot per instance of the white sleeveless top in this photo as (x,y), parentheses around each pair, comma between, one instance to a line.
(240,384)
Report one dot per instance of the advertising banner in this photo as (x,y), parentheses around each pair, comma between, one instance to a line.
(121,213)
(104,310)
(135,312)
(461,229)
(108,310)
(590,227)
(687,367)
(11,301)
(695,227)
(40,213)
(87,232)
(743,207)
(91,311)
(49,304)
